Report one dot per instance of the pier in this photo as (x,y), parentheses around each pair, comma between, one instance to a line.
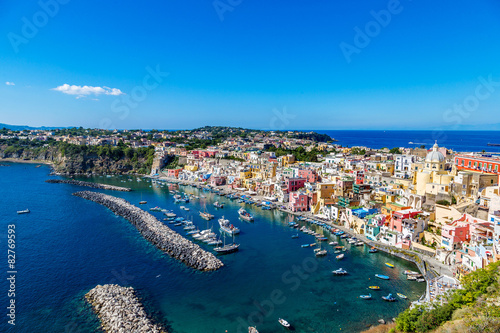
(87,184)
(156,232)
(120,310)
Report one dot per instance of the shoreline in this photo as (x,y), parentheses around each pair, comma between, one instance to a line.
(23,161)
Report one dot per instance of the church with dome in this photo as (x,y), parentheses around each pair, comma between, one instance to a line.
(433,180)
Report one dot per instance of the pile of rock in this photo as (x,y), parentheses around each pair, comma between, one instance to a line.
(156,232)
(120,310)
(93,185)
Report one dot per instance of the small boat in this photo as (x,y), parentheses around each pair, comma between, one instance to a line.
(373,250)
(284,323)
(206,216)
(383,277)
(421,280)
(295,236)
(334,243)
(313,244)
(401,296)
(23,211)
(339,271)
(389,265)
(321,239)
(369,296)
(374,287)
(155,209)
(227,227)
(227,248)
(177,224)
(245,215)
(320,252)
(411,277)
(359,243)
(340,256)
(218,205)
(305,245)
(407,272)
(143,202)
(389,298)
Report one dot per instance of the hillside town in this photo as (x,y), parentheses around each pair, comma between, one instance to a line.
(438,202)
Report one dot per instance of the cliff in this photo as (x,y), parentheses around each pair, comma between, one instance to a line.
(83,161)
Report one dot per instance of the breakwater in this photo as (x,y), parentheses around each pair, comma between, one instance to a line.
(156,232)
(120,310)
(87,184)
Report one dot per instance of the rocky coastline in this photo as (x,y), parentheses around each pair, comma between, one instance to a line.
(87,184)
(156,232)
(120,310)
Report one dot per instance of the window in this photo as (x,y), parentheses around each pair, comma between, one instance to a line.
(470,163)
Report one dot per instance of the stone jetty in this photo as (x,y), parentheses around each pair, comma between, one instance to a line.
(120,310)
(156,232)
(93,185)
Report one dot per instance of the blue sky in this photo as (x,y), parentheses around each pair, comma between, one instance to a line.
(250,63)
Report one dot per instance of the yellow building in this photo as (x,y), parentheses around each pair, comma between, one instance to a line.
(433,178)
(324,196)
(191,167)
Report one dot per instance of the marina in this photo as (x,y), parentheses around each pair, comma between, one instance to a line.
(266,252)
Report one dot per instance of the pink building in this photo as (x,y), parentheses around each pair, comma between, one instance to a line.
(217,180)
(309,175)
(454,234)
(396,222)
(293,184)
(298,202)
(207,153)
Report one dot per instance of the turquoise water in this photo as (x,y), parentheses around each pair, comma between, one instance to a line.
(67,245)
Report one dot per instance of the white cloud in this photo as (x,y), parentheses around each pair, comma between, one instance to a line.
(83,91)
(10,83)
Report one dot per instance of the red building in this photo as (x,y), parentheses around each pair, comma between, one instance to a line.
(477,163)
(397,218)
(293,184)
(174,172)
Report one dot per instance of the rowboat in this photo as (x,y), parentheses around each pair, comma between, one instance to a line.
(365,296)
(374,287)
(401,296)
(383,277)
(389,265)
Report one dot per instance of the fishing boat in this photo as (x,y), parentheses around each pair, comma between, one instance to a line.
(218,205)
(26,211)
(227,248)
(389,265)
(284,323)
(401,296)
(374,287)
(340,256)
(206,216)
(369,296)
(245,215)
(383,277)
(373,250)
(389,298)
(227,227)
(339,271)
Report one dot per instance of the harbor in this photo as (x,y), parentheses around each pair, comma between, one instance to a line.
(268,259)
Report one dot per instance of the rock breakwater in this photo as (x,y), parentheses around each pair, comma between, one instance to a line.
(120,310)
(87,184)
(156,232)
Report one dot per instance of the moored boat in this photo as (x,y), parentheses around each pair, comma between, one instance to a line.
(340,256)
(207,216)
(374,287)
(23,211)
(339,271)
(218,204)
(383,277)
(227,227)
(389,298)
(389,265)
(369,296)
(401,296)
(373,250)
(245,215)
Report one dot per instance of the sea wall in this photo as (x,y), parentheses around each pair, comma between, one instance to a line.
(93,185)
(156,232)
(120,310)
